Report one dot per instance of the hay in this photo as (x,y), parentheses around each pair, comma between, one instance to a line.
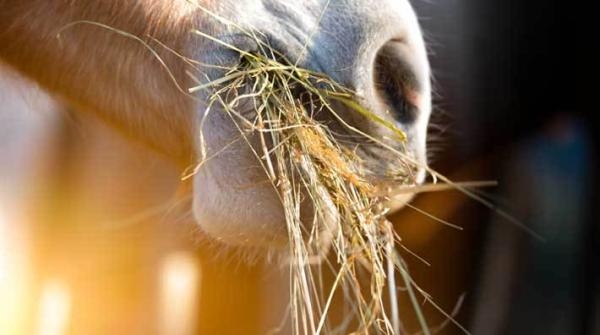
(306,162)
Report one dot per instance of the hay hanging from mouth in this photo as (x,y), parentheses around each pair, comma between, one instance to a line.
(309,167)
(305,162)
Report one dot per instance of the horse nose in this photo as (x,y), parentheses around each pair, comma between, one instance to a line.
(376,49)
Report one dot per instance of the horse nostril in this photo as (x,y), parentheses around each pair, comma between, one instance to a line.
(395,83)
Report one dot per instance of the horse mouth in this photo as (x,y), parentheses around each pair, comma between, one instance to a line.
(321,153)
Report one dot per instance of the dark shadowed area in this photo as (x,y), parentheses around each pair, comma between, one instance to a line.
(507,110)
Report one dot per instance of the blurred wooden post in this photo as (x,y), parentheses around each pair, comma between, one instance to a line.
(230,302)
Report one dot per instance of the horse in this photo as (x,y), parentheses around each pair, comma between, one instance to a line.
(131,77)
(122,67)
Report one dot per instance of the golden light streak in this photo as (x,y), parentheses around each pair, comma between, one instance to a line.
(54,308)
(180,281)
(14,276)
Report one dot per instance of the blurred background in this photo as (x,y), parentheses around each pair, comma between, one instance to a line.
(96,236)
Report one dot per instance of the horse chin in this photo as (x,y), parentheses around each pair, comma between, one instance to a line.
(241,217)
(254,218)
(238,206)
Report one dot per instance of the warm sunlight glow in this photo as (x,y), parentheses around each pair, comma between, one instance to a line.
(4,250)
(180,280)
(54,309)
(13,277)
